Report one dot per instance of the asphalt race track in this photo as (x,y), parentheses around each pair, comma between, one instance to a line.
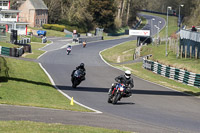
(152,108)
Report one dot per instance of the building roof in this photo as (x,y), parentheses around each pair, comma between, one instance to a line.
(38,4)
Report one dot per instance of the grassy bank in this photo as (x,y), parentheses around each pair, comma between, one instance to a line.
(25,83)
(120,53)
(33,127)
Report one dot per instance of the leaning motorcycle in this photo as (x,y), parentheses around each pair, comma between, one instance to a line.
(77,78)
(117,93)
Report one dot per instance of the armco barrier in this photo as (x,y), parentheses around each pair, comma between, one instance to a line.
(180,75)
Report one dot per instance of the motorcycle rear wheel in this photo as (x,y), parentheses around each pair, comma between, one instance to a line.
(109,100)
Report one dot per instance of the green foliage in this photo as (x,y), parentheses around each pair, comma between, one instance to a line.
(58,27)
(46,26)
(103,13)
(61,28)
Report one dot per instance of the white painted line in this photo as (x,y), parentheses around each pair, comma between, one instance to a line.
(52,82)
(41,54)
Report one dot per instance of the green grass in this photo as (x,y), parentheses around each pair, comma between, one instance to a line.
(120,53)
(35,50)
(51,32)
(9,45)
(33,127)
(25,83)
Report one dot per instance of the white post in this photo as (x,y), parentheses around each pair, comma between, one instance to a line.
(152,26)
(167,31)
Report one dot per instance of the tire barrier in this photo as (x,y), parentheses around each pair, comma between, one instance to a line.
(14,52)
(180,75)
(24,41)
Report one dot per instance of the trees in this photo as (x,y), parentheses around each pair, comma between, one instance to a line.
(103,13)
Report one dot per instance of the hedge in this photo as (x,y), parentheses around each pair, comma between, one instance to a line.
(62,27)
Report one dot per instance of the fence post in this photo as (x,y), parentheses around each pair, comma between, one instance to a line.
(190,51)
(196,51)
(185,51)
(177,49)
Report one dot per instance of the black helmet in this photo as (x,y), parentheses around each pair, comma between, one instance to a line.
(82,65)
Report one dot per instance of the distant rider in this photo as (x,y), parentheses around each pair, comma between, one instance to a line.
(69,46)
(81,67)
(126,80)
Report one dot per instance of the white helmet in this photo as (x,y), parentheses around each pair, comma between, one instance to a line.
(127,74)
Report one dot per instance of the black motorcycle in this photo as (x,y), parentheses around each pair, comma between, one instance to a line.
(77,78)
(117,93)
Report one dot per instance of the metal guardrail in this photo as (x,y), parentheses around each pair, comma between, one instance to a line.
(180,75)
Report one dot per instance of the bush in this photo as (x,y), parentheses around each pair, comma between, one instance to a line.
(61,28)
(79,30)
(46,26)
(58,27)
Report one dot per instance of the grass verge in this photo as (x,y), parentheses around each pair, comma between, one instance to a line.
(120,53)
(25,83)
(35,46)
(33,127)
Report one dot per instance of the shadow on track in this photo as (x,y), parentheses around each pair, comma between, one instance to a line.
(134,91)
(124,103)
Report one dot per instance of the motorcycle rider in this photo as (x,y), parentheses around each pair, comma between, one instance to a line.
(126,80)
(69,48)
(81,67)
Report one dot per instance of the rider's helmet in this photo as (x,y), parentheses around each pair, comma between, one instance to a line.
(127,74)
(82,65)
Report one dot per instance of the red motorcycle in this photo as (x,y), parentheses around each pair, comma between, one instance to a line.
(117,93)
